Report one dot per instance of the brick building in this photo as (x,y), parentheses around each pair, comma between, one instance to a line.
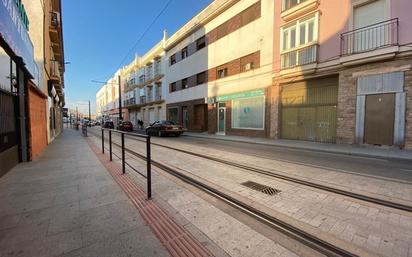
(342,73)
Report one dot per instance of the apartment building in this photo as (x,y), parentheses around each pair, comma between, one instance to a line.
(24,84)
(342,72)
(46,93)
(144,90)
(219,71)
(107,99)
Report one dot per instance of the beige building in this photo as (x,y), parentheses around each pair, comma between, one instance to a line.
(219,70)
(144,86)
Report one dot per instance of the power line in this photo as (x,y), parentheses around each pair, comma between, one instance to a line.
(145,32)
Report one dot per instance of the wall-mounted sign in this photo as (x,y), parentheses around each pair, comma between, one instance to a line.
(247,94)
(14,26)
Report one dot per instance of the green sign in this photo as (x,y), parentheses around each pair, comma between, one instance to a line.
(248,94)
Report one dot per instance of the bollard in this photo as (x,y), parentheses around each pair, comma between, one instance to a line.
(103,141)
(123,162)
(110,145)
(149,168)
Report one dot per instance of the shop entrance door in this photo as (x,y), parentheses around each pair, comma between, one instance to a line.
(221,119)
(379,119)
(185,117)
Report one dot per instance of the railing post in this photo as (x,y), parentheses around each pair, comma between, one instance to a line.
(149,168)
(103,141)
(110,145)
(123,162)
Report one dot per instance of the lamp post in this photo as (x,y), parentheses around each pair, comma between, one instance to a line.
(120,99)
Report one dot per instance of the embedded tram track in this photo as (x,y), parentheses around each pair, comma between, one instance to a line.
(374,200)
(312,241)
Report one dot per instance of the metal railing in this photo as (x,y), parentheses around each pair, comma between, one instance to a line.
(148,175)
(130,101)
(298,57)
(370,38)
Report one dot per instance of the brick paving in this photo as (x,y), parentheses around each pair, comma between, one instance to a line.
(66,204)
(364,228)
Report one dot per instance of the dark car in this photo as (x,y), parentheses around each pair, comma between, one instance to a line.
(108,124)
(126,126)
(164,128)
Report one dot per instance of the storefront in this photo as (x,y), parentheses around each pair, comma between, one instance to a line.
(17,66)
(243,113)
(192,115)
(308,110)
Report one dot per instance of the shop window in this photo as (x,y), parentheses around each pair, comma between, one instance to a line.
(172,59)
(248,113)
(221,73)
(184,53)
(201,78)
(173,87)
(200,43)
(184,84)
(173,115)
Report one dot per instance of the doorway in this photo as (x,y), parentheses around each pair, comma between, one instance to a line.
(185,117)
(221,119)
(379,119)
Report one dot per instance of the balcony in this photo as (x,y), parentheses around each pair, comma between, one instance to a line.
(370,38)
(292,9)
(55,71)
(130,101)
(158,97)
(54,27)
(299,57)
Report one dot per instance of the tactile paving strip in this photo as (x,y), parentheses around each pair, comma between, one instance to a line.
(175,238)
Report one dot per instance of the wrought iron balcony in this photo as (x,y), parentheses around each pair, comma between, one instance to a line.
(369,38)
(298,57)
(130,101)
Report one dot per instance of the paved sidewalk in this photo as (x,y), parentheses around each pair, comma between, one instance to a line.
(368,151)
(67,204)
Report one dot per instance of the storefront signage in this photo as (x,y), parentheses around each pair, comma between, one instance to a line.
(14,26)
(254,93)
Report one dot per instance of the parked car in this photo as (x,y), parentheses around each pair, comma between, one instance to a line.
(108,124)
(164,128)
(126,126)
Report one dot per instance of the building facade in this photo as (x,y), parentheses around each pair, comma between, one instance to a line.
(342,73)
(24,87)
(107,99)
(144,86)
(219,70)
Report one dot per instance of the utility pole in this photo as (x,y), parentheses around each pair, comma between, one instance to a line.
(90,119)
(120,99)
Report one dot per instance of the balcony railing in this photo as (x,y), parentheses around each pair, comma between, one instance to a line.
(130,101)
(369,38)
(55,70)
(298,57)
(158,97)
(142,100)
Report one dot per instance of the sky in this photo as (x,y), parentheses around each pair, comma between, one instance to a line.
(99,33)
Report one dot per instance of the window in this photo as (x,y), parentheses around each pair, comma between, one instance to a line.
(221,73)
(200,43)
(173,115)
(172,59)
(201,78)
(184,53)
(184,84)
(287,4)
(247,66)
(173,87)
(300,33)
(248,113)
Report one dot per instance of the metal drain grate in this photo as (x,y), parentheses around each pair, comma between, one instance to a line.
(261,188)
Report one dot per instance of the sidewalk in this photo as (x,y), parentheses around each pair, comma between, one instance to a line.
(67,204)
(367,151)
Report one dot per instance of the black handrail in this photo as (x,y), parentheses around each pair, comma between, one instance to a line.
(148,175)
(369,38)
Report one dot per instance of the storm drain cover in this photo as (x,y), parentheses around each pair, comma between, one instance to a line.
(261,188)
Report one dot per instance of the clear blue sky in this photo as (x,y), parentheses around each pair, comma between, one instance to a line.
(98,34)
